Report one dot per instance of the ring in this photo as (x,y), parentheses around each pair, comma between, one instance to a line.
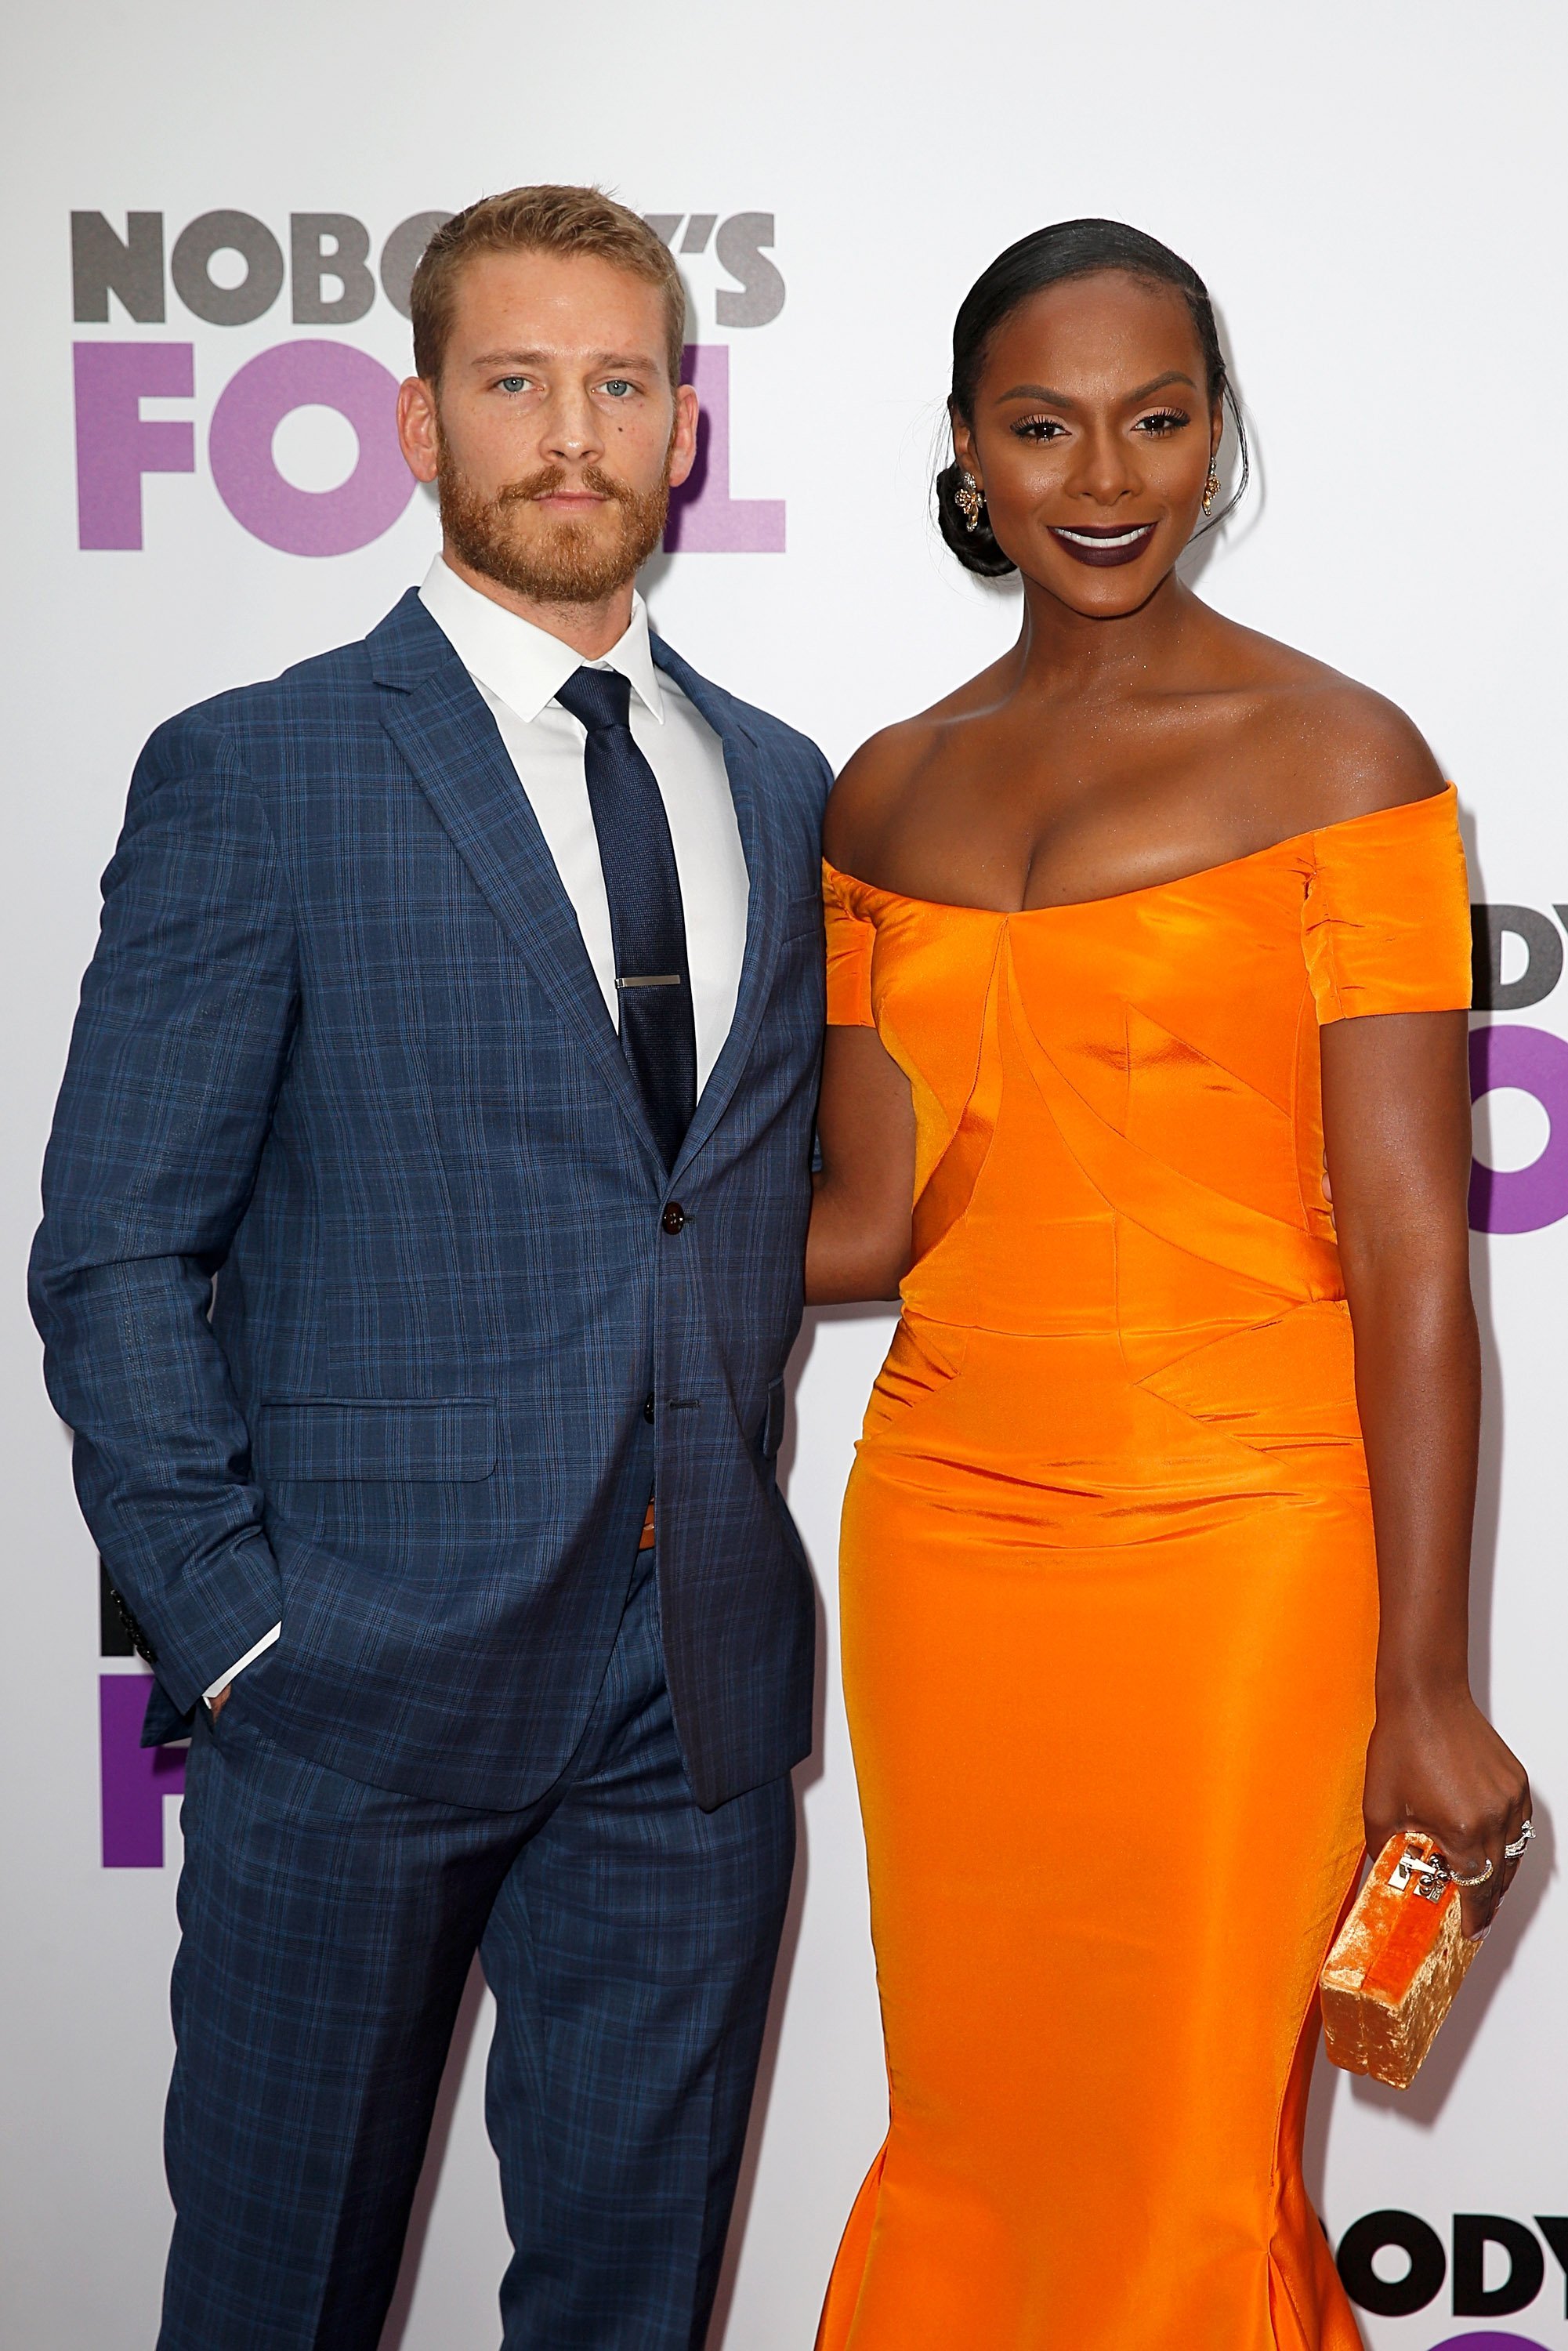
(1454,1879)
(1526,1837)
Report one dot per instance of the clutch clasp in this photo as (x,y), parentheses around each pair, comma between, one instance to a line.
(1429,1879)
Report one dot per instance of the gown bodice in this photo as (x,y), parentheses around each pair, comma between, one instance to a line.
(1118,1103)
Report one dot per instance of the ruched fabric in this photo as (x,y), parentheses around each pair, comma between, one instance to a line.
(1109,1593)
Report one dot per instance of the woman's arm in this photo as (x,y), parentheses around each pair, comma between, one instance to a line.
(859,1243)
(1396,1126)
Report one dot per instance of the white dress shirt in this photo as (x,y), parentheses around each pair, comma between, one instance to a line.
(519,670)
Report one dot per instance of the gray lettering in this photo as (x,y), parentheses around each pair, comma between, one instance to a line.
(225,232)
(1473,2298)
(740,248)
(323,247)
(400,256)
(1554,2227)
(699,228)
(663,225)
(1543,951)
(101,264)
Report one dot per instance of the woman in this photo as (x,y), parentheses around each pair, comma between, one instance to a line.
(1154,1598)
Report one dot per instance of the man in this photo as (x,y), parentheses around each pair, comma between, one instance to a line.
(457,1005)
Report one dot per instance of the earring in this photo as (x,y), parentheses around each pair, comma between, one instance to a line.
(970,501)
(1210,489)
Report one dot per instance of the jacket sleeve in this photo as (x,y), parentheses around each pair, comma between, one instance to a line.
(184,1033)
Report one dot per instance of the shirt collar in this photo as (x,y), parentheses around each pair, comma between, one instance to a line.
(522,666)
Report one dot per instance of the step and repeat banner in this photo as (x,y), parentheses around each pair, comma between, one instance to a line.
(213,219)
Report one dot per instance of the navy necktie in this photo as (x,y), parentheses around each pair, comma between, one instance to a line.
(658,1035)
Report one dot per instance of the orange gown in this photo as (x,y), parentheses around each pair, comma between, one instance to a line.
(1109,1593)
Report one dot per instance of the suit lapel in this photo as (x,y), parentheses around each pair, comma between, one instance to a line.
(745,764)
(440,723)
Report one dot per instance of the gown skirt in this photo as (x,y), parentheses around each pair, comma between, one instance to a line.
(1109,1594)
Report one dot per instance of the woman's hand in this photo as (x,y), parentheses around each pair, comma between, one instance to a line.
(1435,1764)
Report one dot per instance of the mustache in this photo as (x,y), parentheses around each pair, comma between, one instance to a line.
(556,477)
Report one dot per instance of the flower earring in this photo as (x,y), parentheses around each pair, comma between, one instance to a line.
(970,501)
(1210,488)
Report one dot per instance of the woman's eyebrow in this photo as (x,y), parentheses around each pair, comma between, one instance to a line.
(1172,375)
(1061,400)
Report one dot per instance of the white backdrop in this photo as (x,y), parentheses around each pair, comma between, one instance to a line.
(1374,191)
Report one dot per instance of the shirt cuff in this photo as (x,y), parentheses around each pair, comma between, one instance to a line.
(249,1658)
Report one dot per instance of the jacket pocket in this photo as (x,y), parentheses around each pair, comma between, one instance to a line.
(439,1440)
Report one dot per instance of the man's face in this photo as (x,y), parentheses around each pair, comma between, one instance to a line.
(554,434)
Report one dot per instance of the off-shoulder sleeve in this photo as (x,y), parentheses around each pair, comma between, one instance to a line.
(851,938)
(1386,925)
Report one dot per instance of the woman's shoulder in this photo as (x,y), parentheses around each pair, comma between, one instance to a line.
(875,780)
(1325,748)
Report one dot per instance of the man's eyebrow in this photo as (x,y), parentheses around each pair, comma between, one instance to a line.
(638,359)
(1061,400)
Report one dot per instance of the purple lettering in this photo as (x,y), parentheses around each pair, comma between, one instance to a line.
(704,519)
(114,446)
(1489,2340)
(1522,1199)
(313,374)
(134,1779)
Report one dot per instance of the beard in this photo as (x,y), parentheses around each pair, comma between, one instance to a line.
(509,539)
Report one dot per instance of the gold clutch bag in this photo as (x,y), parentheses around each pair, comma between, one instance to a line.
(1396,1965)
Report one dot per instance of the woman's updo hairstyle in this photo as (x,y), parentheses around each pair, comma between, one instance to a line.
(1078,248)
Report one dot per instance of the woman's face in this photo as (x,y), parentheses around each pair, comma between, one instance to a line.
(1091,438)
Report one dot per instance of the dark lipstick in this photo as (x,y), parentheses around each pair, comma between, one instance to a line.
(1105,545)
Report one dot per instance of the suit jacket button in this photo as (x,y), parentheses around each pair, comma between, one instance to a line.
(674,1217)
(648,1407)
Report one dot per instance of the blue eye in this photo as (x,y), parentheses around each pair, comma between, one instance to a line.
(513,383)
(618,385)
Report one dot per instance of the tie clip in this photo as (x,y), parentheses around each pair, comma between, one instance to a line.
(655,980)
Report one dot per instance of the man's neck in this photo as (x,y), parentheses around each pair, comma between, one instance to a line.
(591,629)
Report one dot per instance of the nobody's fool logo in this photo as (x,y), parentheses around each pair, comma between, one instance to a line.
(228,269)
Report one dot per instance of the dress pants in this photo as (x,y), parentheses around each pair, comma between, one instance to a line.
(328,1931)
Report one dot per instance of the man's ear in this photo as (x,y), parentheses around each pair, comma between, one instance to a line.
(684,438)
(419,428)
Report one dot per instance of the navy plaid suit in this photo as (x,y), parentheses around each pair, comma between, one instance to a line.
(341,1047)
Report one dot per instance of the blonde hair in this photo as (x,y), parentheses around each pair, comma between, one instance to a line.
(538,220)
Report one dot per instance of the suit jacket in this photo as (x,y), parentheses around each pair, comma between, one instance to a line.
(341,1047)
